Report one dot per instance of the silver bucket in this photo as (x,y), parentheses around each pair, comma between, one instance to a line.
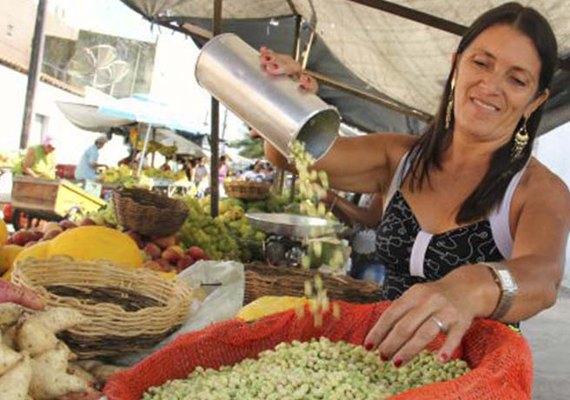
(229,69)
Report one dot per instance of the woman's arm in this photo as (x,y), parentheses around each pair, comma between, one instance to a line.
(351,213)
(28,163)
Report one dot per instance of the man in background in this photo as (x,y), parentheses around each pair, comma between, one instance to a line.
(87,167)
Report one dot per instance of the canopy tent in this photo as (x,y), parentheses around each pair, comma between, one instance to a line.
(397,55)
(117,113)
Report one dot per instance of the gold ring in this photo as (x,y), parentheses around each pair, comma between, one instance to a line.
(440,325)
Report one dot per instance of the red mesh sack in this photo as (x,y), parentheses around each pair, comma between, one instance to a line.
(500,358)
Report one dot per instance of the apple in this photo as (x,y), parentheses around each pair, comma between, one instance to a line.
(152,250)
(165,242)
(51,234)
(184,262)
(197,253)
(22,237)
(51,225)
(87,221)
(171,255)
(166,266)
(151,264)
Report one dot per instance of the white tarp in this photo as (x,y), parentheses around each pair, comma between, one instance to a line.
(404,59)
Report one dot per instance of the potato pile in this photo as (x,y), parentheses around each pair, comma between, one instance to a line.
(34,363)
(319,369)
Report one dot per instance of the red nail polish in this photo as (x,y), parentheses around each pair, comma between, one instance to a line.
(443,357)
(274,66)
(267,58)
(397,362)
(383,357)
(368,346)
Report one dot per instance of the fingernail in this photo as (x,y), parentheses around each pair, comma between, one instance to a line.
(383,357)
(397,362)
(443,357)
(267,58)
(274,66)
(368,346)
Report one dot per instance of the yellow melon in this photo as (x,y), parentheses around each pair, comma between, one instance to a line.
(38,250)
(97,243)
(8,255)
(3,232)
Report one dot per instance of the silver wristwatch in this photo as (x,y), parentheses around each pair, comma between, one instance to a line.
(508,286)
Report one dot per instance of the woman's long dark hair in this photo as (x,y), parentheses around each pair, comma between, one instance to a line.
(427,152)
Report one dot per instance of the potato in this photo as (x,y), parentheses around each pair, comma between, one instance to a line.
(15,383)
(35,338)
(50,383)
(60,318)
(8,358)
(9,314)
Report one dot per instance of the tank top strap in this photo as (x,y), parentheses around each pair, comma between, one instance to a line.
(499,217)
(396,182)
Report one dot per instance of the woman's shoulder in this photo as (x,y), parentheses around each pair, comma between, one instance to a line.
(540,184)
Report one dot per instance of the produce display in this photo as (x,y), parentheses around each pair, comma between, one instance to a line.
(34,363)
(319,369)
(125,176)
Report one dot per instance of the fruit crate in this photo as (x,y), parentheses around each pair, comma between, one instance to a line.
(52,196)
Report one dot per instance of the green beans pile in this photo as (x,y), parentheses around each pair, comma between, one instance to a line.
(319,369)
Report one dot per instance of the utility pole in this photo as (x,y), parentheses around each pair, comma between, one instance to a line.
(34,71)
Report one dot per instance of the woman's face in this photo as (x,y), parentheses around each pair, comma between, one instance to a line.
(496,84)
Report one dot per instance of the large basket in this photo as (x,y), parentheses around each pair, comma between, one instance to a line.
(265,280)
(149,213)
(247,190)
(129,309)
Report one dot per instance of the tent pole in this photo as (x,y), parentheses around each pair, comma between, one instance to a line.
(143,153)
(215,125)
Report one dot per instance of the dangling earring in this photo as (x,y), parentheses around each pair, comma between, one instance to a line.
(521,140)
(449,109)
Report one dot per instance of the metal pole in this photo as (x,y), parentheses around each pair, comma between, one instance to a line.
(215,125)
(34,71)
(143,153)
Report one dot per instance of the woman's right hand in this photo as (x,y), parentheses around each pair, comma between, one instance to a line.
(283,64)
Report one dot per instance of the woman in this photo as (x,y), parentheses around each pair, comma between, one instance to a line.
(473,225)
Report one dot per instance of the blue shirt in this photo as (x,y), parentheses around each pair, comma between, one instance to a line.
(84,169)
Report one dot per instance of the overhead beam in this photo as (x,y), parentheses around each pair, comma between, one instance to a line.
(388,103)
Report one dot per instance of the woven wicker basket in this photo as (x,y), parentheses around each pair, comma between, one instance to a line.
(129,309)
(247,190)
(265,280)
(149,213)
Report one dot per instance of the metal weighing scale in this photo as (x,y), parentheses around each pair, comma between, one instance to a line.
(286,234)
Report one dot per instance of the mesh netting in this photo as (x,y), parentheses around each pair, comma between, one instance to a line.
(500,358)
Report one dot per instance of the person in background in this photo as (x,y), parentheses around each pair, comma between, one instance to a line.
(39,160)
(222,170)
(201,175)
(87,168)
(166,166)
(364,218)
(474,225)
(189,169)
(255,174)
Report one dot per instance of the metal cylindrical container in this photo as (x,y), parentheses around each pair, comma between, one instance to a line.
(229,69)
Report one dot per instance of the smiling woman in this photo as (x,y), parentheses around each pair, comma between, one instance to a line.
(473,225)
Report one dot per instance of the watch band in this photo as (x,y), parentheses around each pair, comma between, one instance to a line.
(508,286)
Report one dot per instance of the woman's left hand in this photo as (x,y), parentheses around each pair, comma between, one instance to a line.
(418,316)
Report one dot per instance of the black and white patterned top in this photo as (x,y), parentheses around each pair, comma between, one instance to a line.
(412,255)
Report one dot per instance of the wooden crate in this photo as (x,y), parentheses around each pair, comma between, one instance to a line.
(53,196)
